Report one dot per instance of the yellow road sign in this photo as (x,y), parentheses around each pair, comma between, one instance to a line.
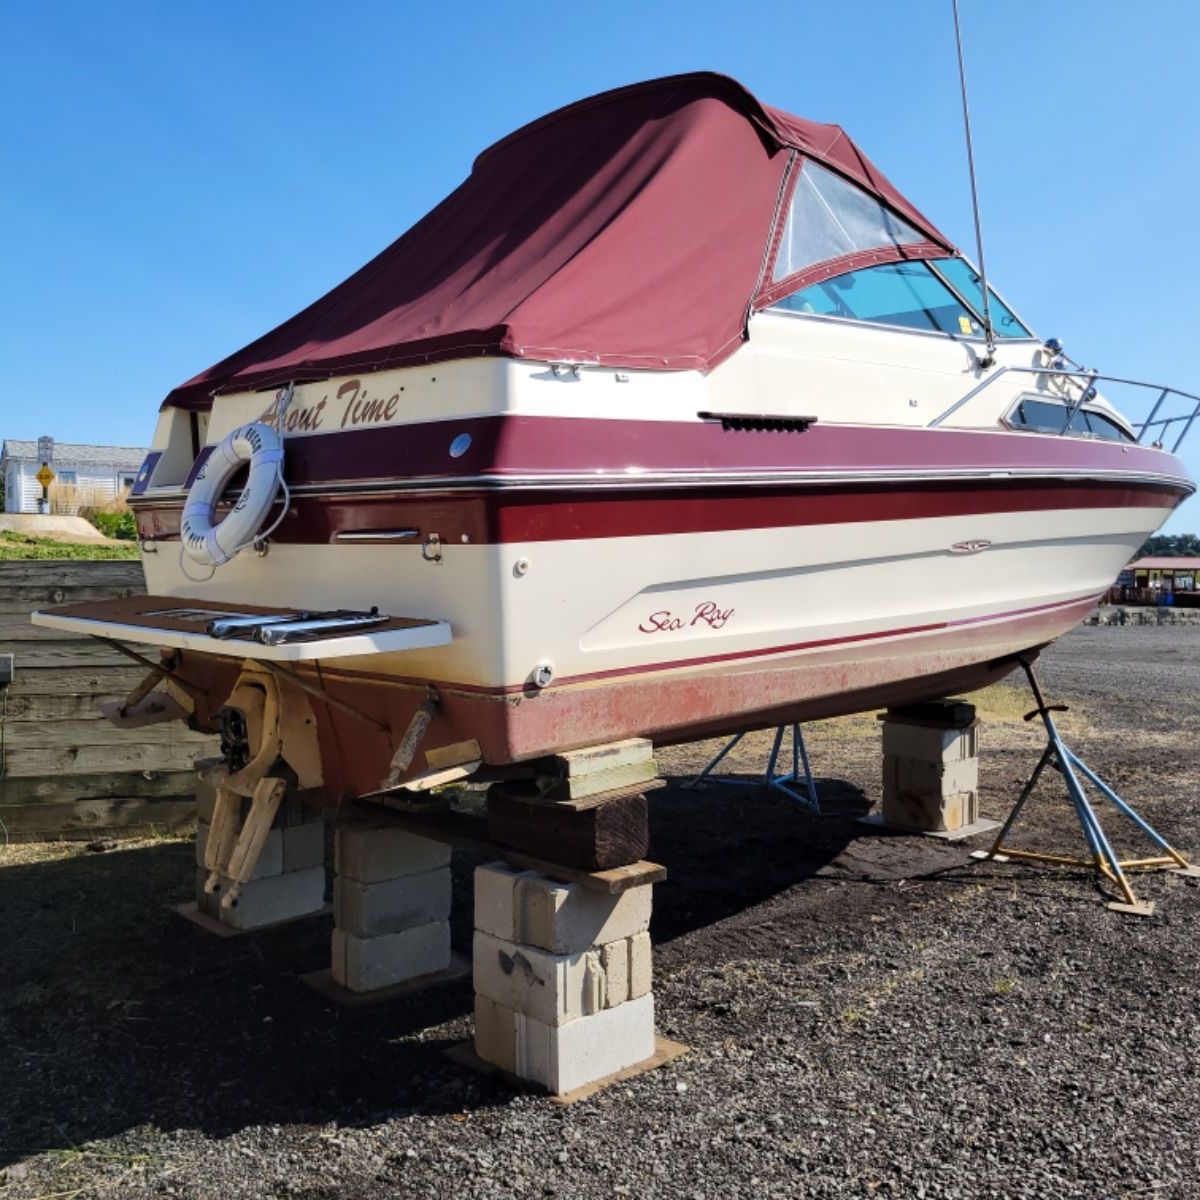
(45,476)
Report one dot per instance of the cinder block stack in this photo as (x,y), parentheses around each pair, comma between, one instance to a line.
(931,767)
(391,907)
(289,879)
(562,977)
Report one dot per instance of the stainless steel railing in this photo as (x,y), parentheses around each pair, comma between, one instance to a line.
(1085,380)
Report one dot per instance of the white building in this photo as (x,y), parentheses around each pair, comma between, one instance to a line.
(99,472)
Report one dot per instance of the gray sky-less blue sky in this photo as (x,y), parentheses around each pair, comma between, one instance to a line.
(178,178)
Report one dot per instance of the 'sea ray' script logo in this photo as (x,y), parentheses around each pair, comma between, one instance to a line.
(705,613)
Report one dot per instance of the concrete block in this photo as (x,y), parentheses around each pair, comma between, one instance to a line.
(365,964)
(369,909)
(270,861)
(206,902)
(930,744)
(914,776)
(563,918)
(641,959)
(303,846)
(276,898)
(553,988)
(206,800)
(930,813)
(566,1056)
(614,958)
(371,853)
(496,900)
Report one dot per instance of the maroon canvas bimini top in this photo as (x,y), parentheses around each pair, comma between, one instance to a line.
(635,229)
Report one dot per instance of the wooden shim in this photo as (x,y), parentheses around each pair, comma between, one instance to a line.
(626,775)
(574,763)
(50,790)
(454,755)
(87,818)
(593,834)
(99,760)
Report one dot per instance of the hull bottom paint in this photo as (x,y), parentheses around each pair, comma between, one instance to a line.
(673,705)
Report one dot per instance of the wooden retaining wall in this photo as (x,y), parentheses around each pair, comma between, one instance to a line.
(64,770)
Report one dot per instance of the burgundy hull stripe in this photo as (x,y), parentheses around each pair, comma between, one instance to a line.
(739,655)
(492,517)
(742,508)
(511,445)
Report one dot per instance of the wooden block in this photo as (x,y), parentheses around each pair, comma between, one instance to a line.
(576,763)
(455,755)
(956,714)
(590,834)
(624,775)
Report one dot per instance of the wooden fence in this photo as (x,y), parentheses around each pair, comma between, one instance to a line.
(64,770)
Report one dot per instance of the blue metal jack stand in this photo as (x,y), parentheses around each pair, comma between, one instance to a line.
(786,783)
(1104,858)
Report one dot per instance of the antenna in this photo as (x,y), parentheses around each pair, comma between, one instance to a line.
(988,331)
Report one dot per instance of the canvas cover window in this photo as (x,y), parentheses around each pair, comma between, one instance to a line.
(830,218)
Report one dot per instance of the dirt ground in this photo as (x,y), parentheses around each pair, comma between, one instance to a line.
(867,1015)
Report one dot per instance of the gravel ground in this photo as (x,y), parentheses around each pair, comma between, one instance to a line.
(868,1016)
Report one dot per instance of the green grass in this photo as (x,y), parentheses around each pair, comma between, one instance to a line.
(20,545)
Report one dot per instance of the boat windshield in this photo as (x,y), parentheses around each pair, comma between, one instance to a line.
(964,279)
(907,294)
(936,295)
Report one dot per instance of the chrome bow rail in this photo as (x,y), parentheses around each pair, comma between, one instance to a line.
(1085,380)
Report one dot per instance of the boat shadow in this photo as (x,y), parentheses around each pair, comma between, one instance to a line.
(116,1013)
(729,848)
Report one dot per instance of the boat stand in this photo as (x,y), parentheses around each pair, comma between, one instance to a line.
(1104,860)
(787,783)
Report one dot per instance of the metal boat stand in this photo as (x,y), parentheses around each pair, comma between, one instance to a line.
(1104,860)
(786,783)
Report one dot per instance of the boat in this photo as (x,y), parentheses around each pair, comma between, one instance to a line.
(675,419)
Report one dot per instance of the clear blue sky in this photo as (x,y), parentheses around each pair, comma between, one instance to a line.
(178,178)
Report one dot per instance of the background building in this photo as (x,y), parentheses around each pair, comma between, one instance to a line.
(85,476)
(1158,581)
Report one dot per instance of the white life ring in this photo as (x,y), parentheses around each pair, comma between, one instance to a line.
(213,544)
